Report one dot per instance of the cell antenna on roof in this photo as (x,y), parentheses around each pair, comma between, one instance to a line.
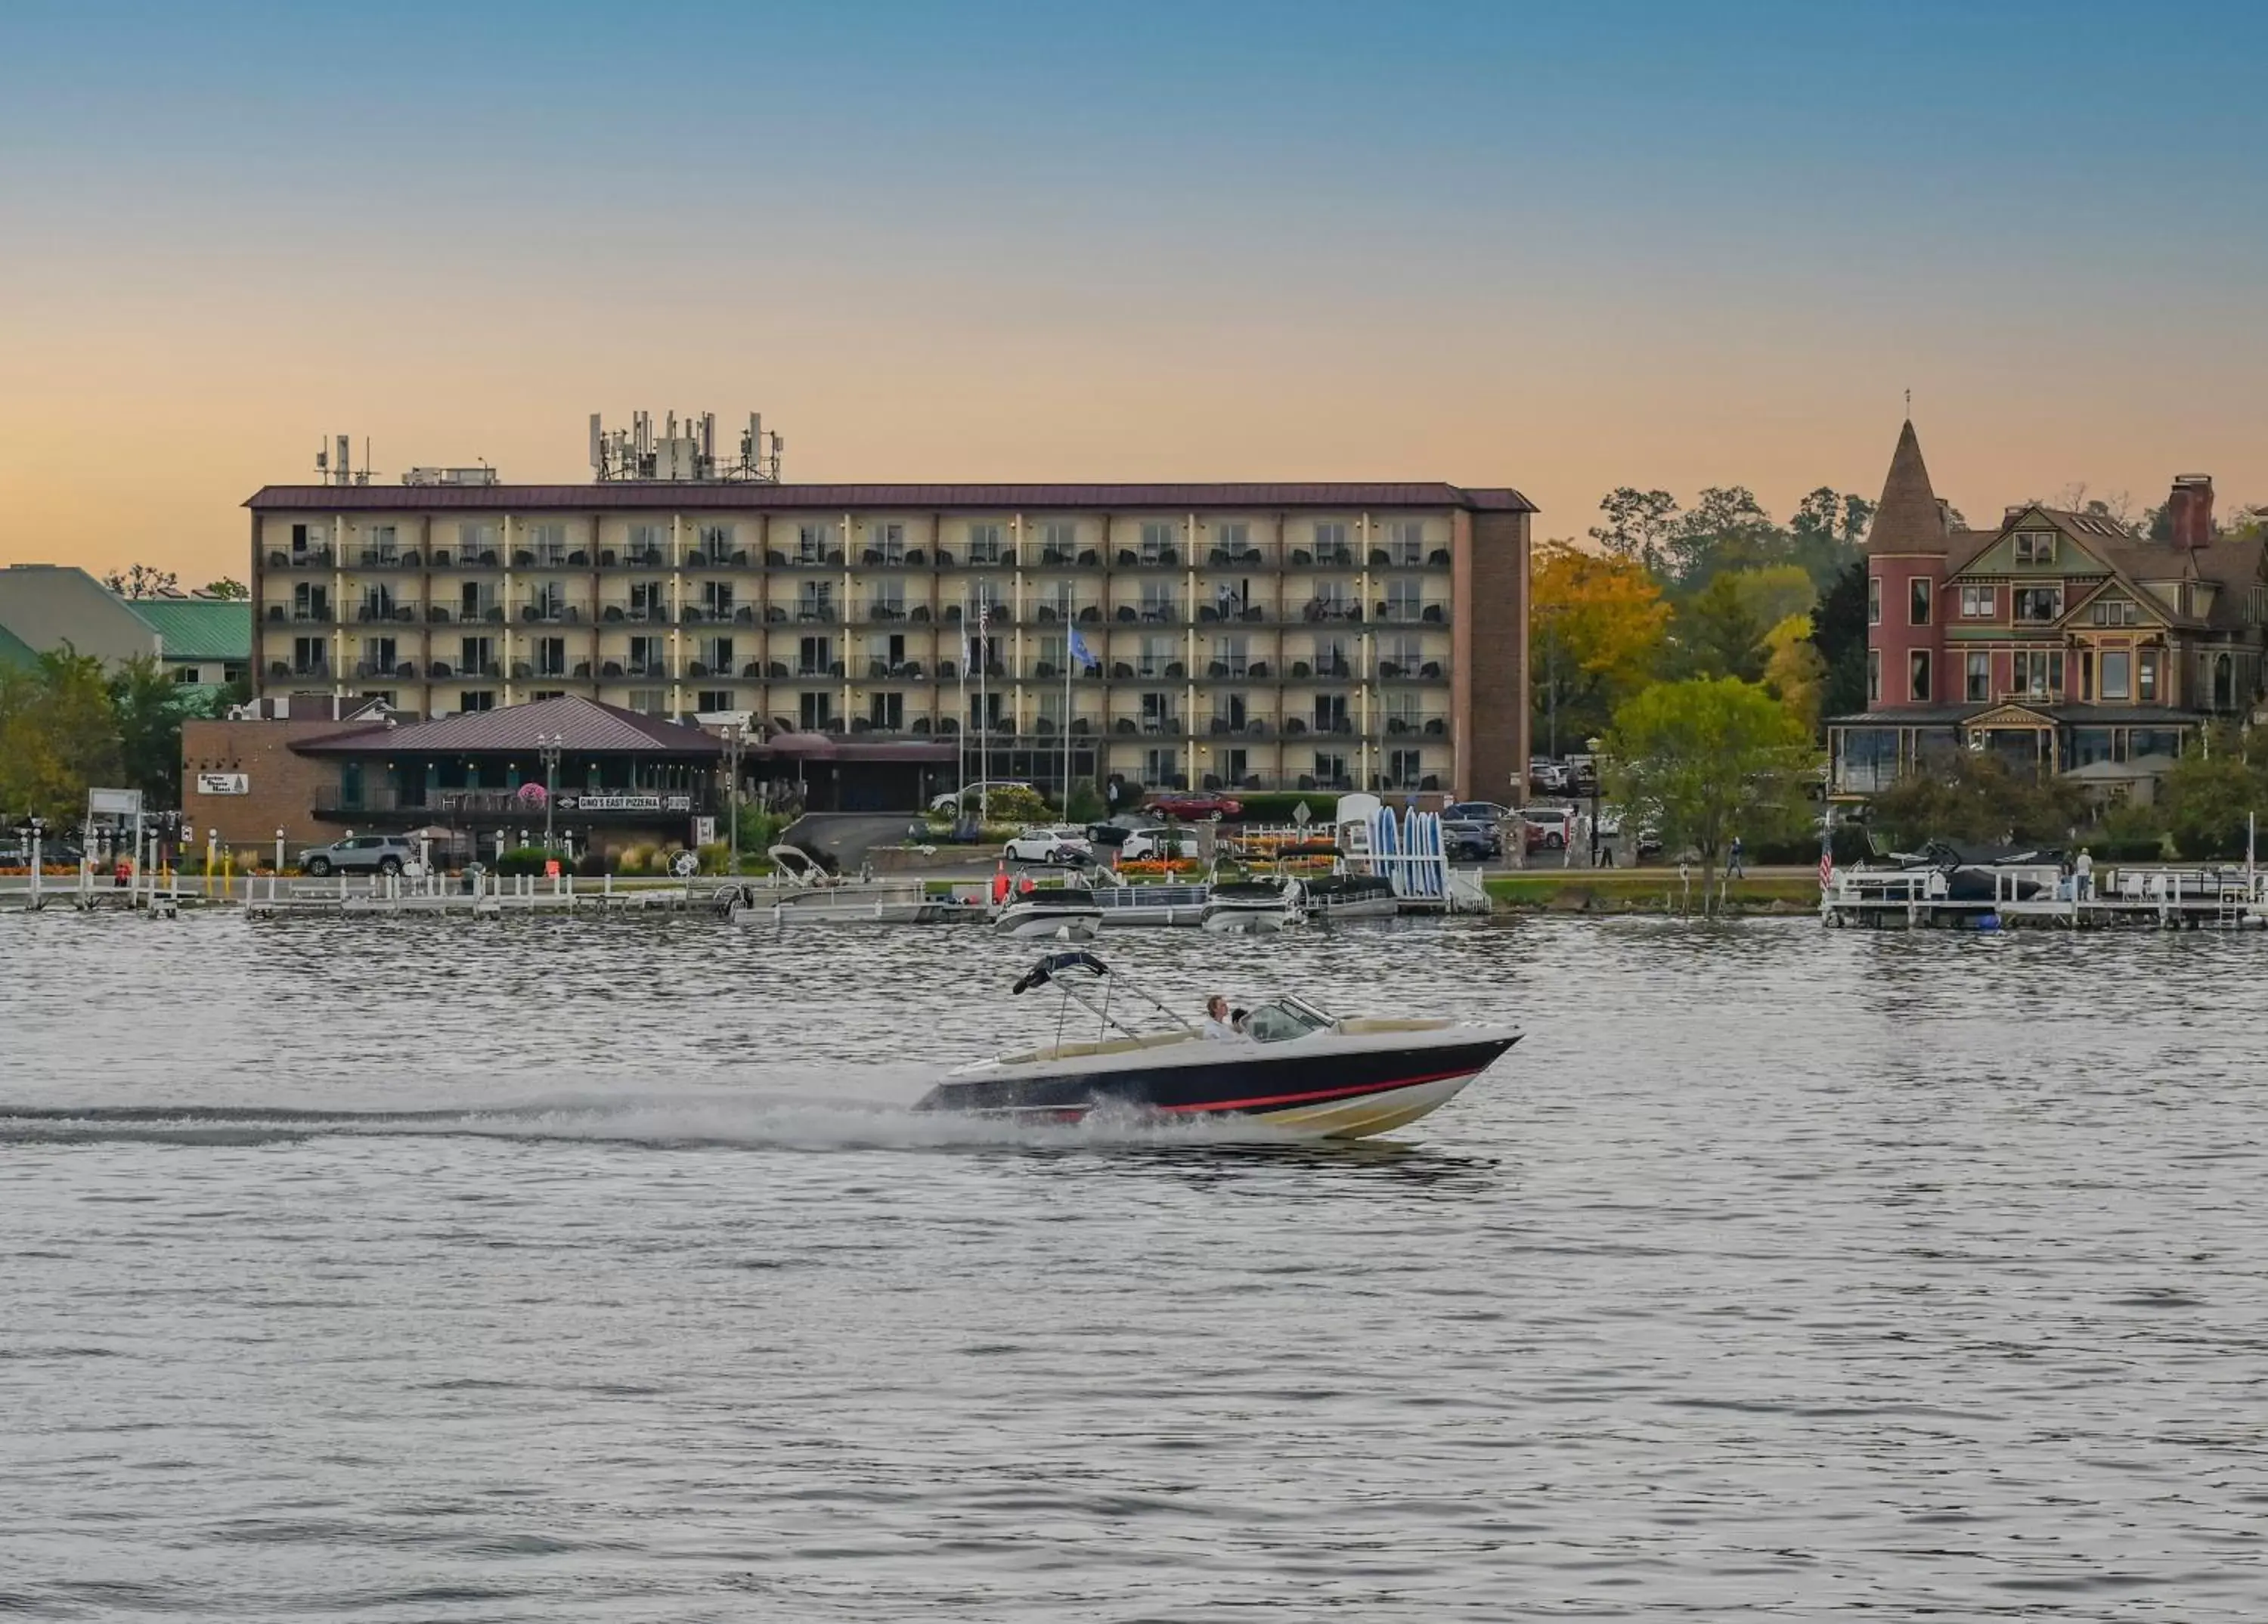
(1909,405)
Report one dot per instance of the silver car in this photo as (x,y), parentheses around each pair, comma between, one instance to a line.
(359,854)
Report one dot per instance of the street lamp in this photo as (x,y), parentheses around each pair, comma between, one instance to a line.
(735,733)
(1592,745)
(548,745)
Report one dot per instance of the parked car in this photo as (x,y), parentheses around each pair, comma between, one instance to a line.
(1476,812)
(1546,777)
(972,793)
(1548,828)
(53,854)
(1468,840)
(1195,806)
(1151,845)
(361,854)
(1067,847)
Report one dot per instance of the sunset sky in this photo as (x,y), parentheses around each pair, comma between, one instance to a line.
(1558,247)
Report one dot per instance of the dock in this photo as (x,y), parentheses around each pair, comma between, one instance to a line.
(2022,896)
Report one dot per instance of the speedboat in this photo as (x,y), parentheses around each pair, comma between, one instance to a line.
(1067,911)
(1296,1070)
(1251,907)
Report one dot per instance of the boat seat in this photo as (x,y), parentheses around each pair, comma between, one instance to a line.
(1392,1023)
(1108,1045)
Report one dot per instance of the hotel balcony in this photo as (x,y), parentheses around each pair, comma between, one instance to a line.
(634,558)
(1327,611)
(548,614)
(399,610)
(1393,557)
(1236,670)
(1422,671)
(301,558)
(308,615)
(1146,557)
(385,557)
(635,614)
(300,670)
(541,559)
(1313,557)
(805,558)
(1404,612)
(1234,556)
(1002,557)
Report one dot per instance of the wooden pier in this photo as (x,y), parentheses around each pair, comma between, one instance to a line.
(2230,898)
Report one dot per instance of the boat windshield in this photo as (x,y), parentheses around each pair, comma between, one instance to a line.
(1284,1019)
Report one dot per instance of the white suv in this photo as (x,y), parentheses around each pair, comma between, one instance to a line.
(1150,844)
(972,793)
(360,855)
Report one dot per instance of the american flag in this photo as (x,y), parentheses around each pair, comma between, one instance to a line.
(1826,865)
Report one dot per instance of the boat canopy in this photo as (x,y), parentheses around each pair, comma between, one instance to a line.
(1054,964)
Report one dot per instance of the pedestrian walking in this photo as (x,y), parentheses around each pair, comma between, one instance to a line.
(1734,870)
(2086,874)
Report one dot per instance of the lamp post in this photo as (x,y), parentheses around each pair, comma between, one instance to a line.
(548,745)
(734,734)
(279,851)
(1592,745)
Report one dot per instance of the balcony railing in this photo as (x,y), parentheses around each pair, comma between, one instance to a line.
(733,558)
(551,559)
(1403,612)
(300,670)
(1418,671)
(635,614)
(1149,557)
(1236,670)
(394,670)
(1404,557)
(395,609)
(387,558)
(1148,670)
(310,615)
(1321,557)
(1002,557)
(553,614)
(1060,611)
(303,558)
(1068,557)
(1234,611)
(1319,670)
(1249,556)
(1324,609)
(1411,726)
(798,558)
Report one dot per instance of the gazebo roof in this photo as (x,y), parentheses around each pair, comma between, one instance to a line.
(583,728)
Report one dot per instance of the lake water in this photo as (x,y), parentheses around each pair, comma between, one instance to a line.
(456,1271)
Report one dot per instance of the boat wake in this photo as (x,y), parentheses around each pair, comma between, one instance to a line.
(676,1121)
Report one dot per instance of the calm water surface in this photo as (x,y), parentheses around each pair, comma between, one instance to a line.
(535,1271)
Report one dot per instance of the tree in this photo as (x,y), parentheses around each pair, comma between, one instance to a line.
(142,580)
(1716,635)
(1839,632)
(1599,626)
(2208,796)
(1638,525)
(227,586)
(1825,533)
(1726,528)
(1794,673)
(1776,591)
(149,708)
(1973,798)
(58,734)
(1703,760)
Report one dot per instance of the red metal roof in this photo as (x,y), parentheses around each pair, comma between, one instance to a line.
(688,497)
(585,728)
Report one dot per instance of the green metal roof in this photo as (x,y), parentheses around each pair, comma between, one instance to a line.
(199,628)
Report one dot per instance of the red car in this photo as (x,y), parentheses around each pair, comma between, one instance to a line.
(1195,806)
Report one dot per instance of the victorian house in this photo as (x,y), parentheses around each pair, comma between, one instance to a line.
(2058,641)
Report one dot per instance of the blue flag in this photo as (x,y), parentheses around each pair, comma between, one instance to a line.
(1079,649)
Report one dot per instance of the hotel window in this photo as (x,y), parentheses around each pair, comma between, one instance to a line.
(1874,600)
(1874,676)
(716,543)
(813,542)
(535,694)
(1404,769)
(885,543)
(306,538)
(2115,612)
(712,699)
(384,548)
(547,544)
(1977,676)
(1157,653)
(1330,768)
(1231,654)
(1234,539)
(1157,600)
(1404,600)
(551,656)
(2145,677)
(1331,657)
(1401,712)
(649,601)
(815,600)
(717,654)
(887,712)
(649,701)
(476,657)
(310,656)
(2039,606)
(380,653)
(1918,677)
(477,699)
(2117,669)
(1918,591)
(1157,541)
(1160,767)
(1399,654)
(1976,603)
(2036,547)
(646,656)
(547,600)
(984,543)
(1157,712)
(716,599)
(648,543)
(1405,541)
(814,657)
(815,712)
(1058,540)
(476,544)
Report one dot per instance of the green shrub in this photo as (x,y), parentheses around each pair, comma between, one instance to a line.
(714,857)
(523,860)
(760,831)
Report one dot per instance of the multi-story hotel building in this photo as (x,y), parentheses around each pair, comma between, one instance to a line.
(1262,636)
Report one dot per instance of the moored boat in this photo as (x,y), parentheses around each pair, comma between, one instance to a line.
(1351,896)
(1050,911)
(1297,1069)
(1251,907)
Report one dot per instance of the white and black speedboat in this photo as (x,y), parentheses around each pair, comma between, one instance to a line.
(1050,913)
(1251,907)
(1296,1070)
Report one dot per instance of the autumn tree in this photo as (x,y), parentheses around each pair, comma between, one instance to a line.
(1598,627)
(1703,760)
(1794,673)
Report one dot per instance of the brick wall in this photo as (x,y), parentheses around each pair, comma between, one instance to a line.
(1490,681)
(284,786)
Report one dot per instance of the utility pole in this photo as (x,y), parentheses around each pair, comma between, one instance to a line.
(732,737)
(548,745)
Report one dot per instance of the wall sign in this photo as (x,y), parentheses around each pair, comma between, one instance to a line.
(224,783)
(625,803)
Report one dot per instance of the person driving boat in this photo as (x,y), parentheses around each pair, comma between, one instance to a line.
(1216,1028)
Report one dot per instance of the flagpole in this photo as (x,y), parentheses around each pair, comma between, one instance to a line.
(983,721)
(961,739)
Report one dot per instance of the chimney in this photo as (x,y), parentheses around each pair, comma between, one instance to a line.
(2189,510)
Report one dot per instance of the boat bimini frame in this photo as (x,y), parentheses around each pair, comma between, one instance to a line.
(1076,975)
